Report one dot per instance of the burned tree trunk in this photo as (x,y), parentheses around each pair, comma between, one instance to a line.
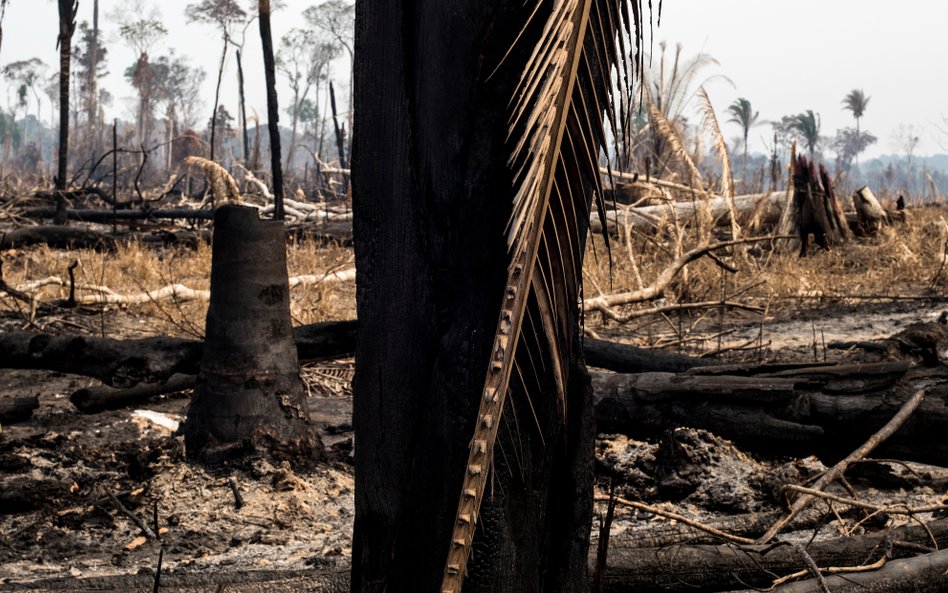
(243,109)
(815,208)
(431,187)
(273,108)
(67,26)
(249,397)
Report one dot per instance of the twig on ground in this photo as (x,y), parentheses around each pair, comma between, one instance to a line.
(680,518)
(819,572)
(238,499)
(855,502)
(146,531)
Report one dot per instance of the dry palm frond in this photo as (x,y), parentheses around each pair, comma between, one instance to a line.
(720,146)
(556,134)
(223,186)
(668,132)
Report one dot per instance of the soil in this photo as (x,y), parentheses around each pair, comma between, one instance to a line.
(86,496)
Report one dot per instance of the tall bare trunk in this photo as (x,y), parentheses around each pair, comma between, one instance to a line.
(297,104)
(243,108)
(273,108)
(217,96)
(92,108)
(67,25)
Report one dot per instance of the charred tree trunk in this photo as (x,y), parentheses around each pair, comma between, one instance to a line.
(217,97)
(430,188)
(340,131)
(249,397)
(92,114)
(243,109)
(816,210)
(67,26)
(273,108)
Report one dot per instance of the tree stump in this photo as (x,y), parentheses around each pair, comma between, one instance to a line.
(249,396)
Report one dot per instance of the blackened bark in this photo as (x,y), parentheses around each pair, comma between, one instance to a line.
(431,198)
(273,108)
(217,96)
(67,25)
(340,132)
(249,397)
(243,109)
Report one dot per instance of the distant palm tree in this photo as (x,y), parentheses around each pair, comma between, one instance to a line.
(808,124)
(743,115)
(856,101)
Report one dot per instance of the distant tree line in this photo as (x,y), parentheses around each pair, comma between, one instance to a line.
(172,119)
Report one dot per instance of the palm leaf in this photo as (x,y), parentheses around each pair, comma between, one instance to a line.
(556,134)
(720,146)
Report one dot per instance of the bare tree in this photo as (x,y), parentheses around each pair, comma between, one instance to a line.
(302,58)
(91,65)
(264,10)
(67,26)
(141,27)
(336,18)
(443,336)
(28,77)
(225,14)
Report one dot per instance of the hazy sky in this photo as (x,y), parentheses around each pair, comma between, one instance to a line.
(784,58)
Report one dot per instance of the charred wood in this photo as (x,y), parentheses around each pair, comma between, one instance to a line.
(723,567)
(17,409)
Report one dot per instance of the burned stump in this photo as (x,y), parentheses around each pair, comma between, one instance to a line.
(815,208)
(249,395)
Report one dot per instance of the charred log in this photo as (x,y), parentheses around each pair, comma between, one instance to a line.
(723,567)
(17,409)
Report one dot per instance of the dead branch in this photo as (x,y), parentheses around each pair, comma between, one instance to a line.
(837,470)
(178,292)
(657,289)
(890,509)
(640,506)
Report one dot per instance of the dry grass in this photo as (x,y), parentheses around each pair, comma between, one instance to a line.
(903,259)
(133,269)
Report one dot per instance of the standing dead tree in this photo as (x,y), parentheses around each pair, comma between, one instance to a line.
(273,107)
(67,26)
(473,117)
(225,14)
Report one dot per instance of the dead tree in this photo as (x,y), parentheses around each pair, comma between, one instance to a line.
(67,26)
(273,108)
(249,397)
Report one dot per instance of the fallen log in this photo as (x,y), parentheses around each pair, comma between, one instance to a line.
(623,358)
(681,568)
(922,574)
(124,363)
(107,216)
(799,421)
(92,400)
(62,237)
(119,363)
(17,409)
(652,217)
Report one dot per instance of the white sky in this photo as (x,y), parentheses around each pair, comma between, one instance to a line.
(808,54)
(784,58)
